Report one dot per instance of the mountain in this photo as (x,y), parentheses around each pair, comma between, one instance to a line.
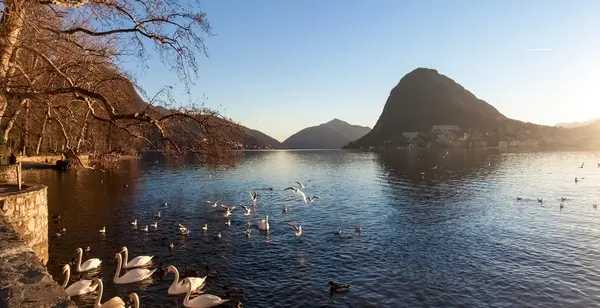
(256,139)
(577,124)
(424,98)
(331,135)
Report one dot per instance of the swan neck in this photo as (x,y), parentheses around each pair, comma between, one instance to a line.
(67,276)
(79,260)
(189,292)
(126,257)
(100,291)
(119,262)
(176,272)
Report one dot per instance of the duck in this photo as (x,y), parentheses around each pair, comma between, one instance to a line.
(200,301)
(134,223)
(234,294)
(154,225)
(157,215)
(115,302)
(358,229)
(263,224)
(211,272)
(138,261)
(285,209)
(190,272)
(131,276)
(103,230)
(519,198)
(338,287)
(79,287)
(161,271)
(171,246)
(145,228)
(88,265)
(183,230)
(205,227)
(228,222)
(178,287)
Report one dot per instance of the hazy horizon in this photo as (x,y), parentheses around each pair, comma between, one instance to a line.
(279,67)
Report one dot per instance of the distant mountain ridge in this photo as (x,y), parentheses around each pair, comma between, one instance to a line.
(257,139)
(576,124)
(331,135)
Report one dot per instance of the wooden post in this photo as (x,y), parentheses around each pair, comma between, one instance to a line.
(19,175)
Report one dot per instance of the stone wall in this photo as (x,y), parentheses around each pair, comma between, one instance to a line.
(8,174)
(24,280)
(27,212)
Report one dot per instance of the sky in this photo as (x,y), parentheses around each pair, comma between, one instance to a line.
(279,66)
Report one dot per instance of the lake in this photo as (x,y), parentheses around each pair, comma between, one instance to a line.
(454,235)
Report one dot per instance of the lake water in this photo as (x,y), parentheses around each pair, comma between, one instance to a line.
(454,236)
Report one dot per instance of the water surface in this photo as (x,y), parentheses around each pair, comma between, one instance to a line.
(447,236)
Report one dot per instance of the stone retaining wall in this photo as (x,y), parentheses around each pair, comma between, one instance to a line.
(8,174)
(27,212)
(24,279)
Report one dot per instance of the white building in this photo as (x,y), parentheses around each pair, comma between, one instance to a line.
(410,135)
(443,129)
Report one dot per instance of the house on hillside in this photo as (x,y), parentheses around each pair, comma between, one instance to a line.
(445,133)
(410,135)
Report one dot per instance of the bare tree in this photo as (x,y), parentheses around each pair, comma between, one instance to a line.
(65,68)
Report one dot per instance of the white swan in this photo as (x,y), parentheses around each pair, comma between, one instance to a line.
(134,223)
(154,225)
(264,224)
(103,230)
(79,287)
(115,302)
(145,228)
(135,262)
(205,227)
(201,301)
(132,276)
(136,300)
(88,265)
(178,287)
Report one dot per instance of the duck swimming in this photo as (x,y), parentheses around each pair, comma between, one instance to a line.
(338,288)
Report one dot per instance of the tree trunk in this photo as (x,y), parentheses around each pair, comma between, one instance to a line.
(83,132)
(10,29)
(11,121)
(25,129)
(41,137)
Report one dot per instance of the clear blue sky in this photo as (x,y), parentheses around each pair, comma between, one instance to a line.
(280,65)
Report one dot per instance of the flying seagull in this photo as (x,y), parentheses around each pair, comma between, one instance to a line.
(297,228)
(313,198)
(300,184)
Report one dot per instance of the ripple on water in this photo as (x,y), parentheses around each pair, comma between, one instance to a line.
(449,236)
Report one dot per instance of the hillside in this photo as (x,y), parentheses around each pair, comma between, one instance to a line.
(424,98)
(331,135)
(256,139)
